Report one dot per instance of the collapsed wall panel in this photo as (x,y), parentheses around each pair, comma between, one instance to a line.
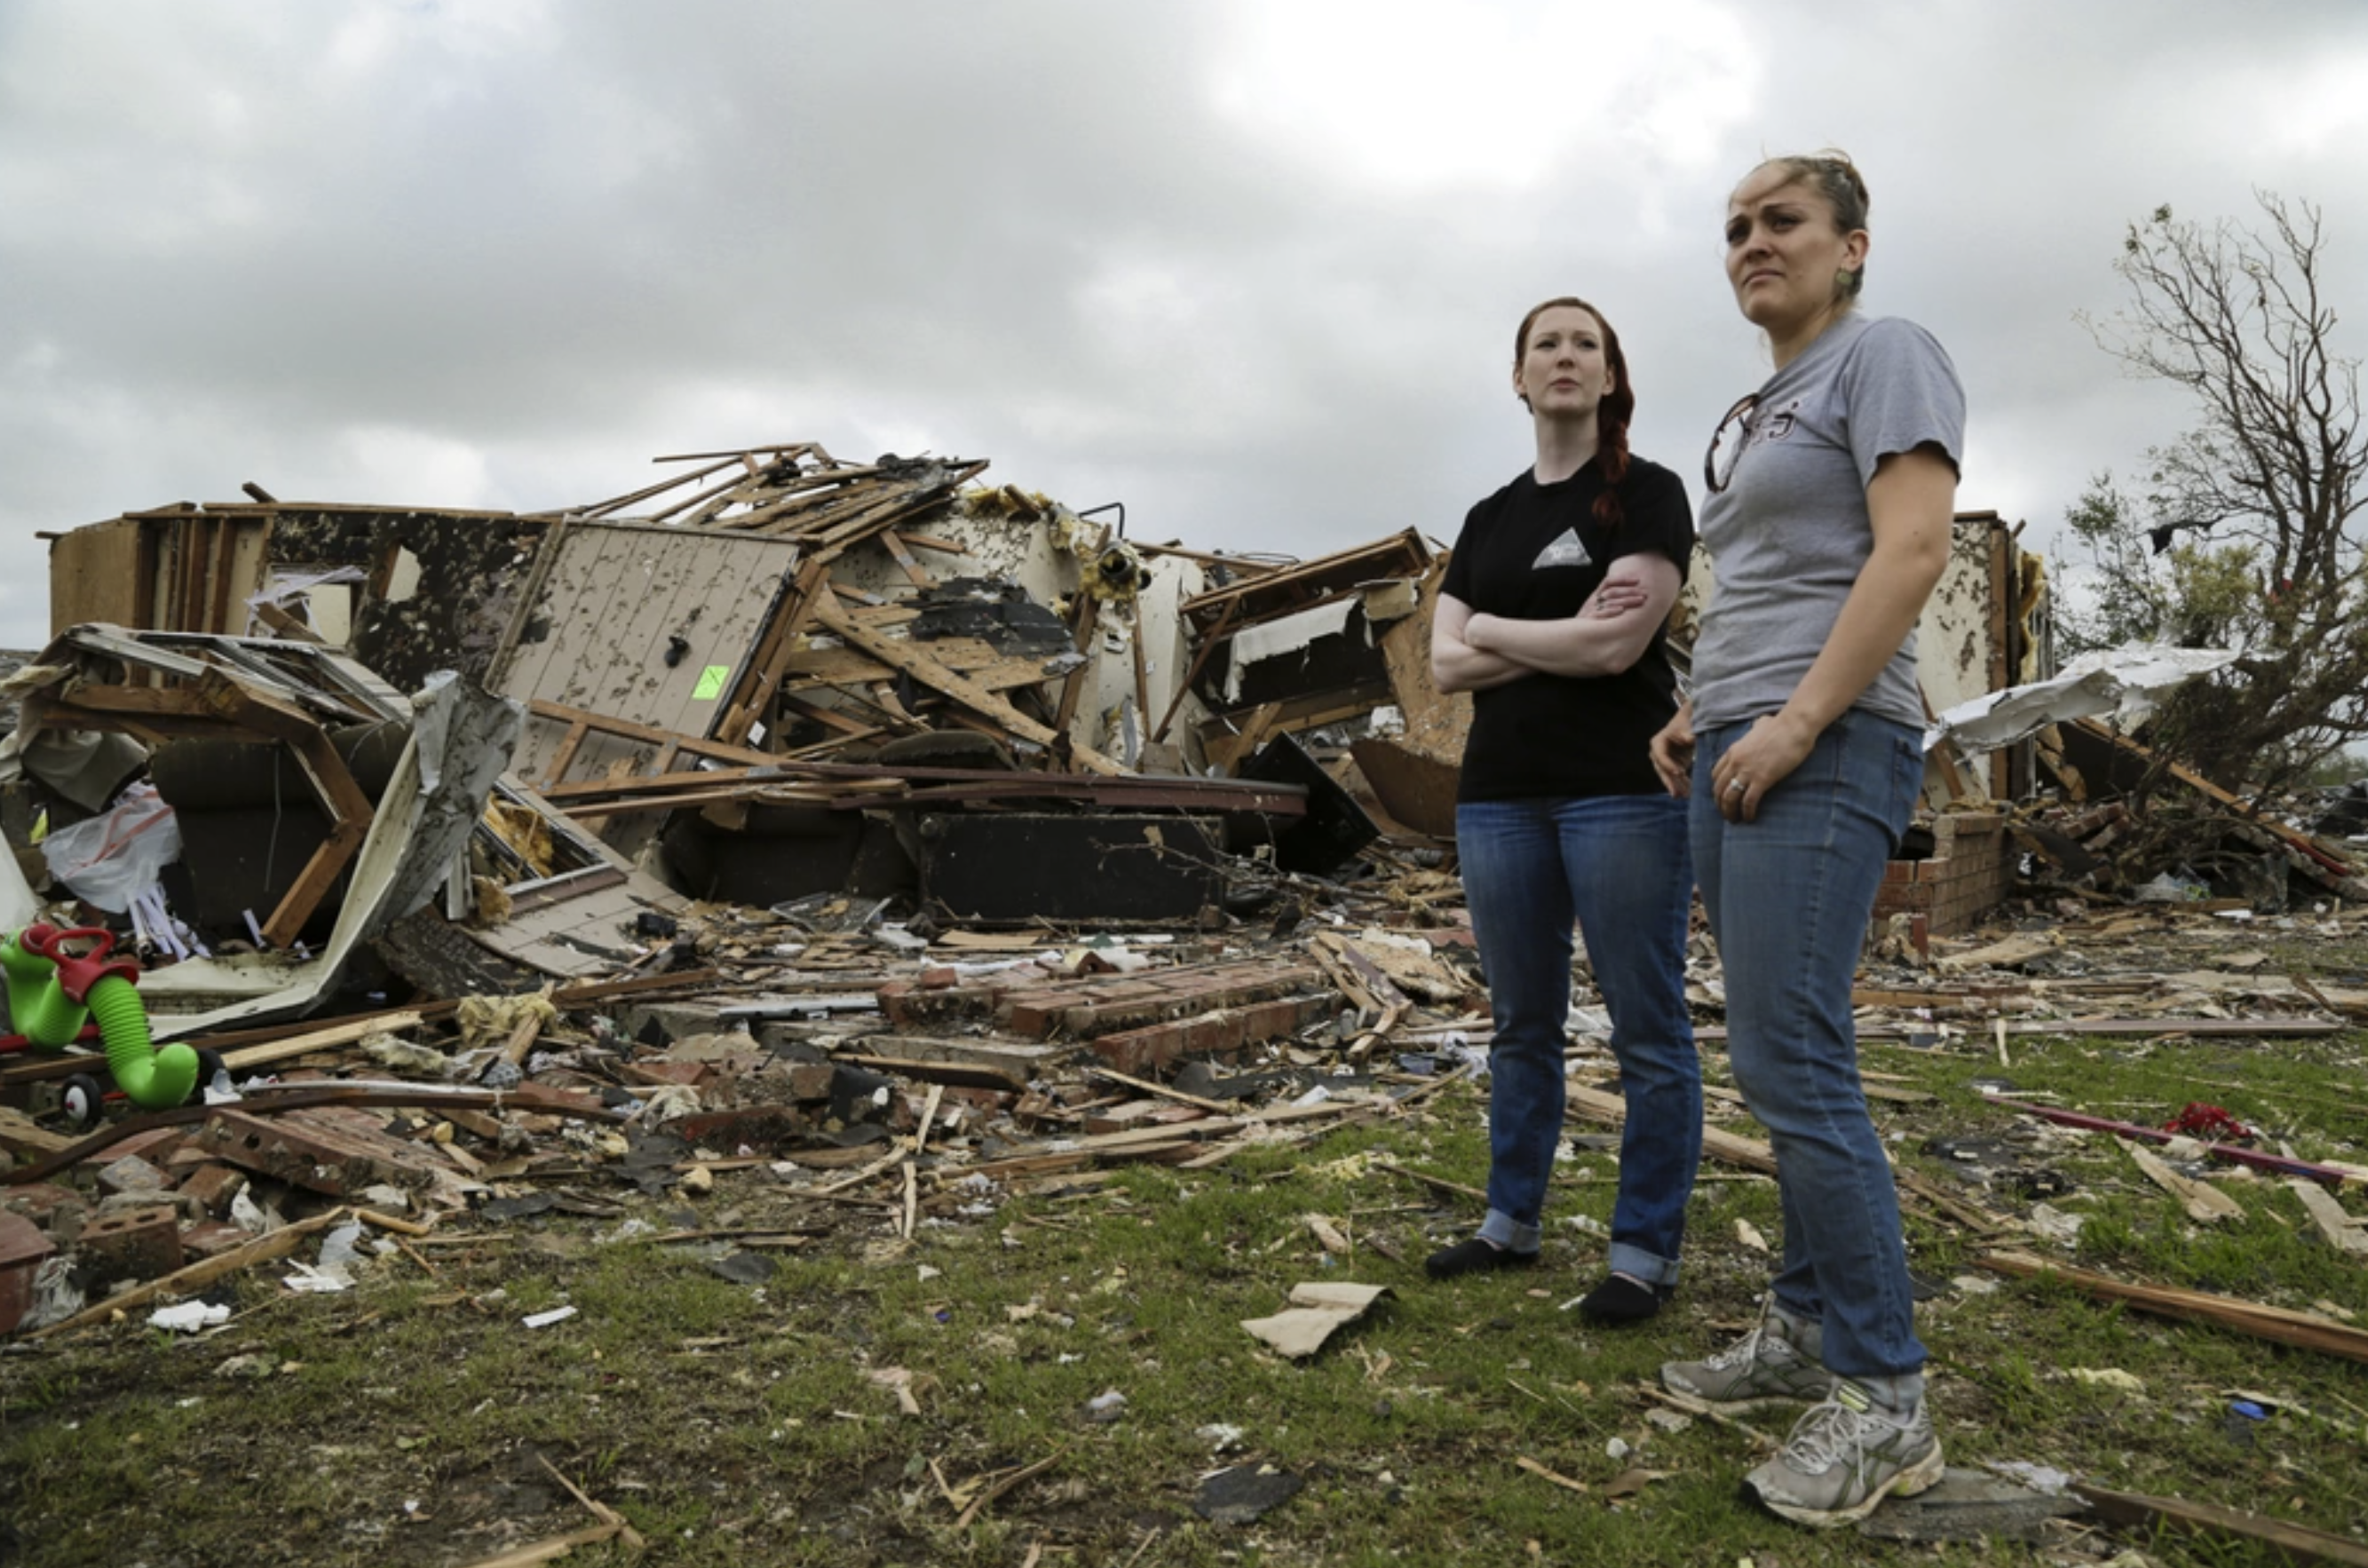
(648,625)
(408,591)
(434,589)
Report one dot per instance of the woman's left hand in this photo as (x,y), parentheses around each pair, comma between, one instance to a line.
(1758,762)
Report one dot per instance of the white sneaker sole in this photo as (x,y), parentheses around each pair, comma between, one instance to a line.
(1919,1477)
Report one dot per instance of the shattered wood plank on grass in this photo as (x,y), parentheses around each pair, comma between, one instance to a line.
(2306,1331)
(2345,1232)
(2296,1544)
(2205,1203)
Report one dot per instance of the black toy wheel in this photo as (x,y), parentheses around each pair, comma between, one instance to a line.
(79,1099)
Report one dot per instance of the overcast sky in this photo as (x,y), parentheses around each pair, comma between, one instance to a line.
(1250,268)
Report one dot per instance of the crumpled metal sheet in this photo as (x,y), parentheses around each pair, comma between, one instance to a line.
(2125,684)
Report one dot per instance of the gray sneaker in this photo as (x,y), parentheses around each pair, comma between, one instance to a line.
(1844,1457)
(1763,1367)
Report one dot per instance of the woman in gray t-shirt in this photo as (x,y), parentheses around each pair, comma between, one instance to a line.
(1831,493)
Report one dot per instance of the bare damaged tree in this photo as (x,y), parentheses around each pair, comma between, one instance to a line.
(2265,489)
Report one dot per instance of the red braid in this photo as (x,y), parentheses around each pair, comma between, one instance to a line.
(1612,456)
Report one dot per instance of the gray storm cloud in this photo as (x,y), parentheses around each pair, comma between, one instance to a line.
(1256,281)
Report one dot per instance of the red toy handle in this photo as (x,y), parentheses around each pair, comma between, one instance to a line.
(77,972)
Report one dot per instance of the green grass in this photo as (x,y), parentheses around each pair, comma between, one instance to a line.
(405,1423)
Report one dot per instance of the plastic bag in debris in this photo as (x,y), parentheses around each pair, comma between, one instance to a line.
(2171,887)
(1457,1047)
(116,856)
(668,1102)
(1592,1024)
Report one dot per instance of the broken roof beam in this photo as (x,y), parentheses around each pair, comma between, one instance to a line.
(838,535)
(1298,587)
(906,657)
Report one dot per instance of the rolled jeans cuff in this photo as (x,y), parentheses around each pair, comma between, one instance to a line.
(1638,1264)
(1510,1233)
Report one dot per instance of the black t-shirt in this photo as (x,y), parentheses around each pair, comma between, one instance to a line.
(1535,551)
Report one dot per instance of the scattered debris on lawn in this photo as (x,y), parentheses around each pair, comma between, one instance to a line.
(797,850)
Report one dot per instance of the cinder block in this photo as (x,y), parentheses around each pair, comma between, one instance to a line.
(1220,1032)
(810,1080)
(213,1186)
(1140,1053)
(132,1174)
(155,1145)
(137,1243)
(658,1071)
(907,1002)
(323,1148)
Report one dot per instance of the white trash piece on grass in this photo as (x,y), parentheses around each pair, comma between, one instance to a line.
(340,1249)
(189,1317)
(2041,1478)
(2054,1224)
(1220,1436)
(310,1281)
(544,1320)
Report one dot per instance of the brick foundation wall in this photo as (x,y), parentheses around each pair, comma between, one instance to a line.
(1970,872)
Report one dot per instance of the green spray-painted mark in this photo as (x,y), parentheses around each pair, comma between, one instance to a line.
(710,683)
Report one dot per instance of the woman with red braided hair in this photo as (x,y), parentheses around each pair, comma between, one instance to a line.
(1552,616)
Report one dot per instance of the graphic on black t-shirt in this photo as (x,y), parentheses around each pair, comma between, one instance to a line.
(1564,552)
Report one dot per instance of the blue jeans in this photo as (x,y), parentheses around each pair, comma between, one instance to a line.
(1789,897)
(1617,864)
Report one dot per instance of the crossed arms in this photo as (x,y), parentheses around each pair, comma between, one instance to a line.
(1472,652)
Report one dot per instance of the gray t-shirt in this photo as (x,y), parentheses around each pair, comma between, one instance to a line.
(1790,533)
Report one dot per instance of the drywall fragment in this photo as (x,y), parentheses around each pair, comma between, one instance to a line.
(1315,1310)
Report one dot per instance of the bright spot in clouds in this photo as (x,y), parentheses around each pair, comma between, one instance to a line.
(1414,96)
(392,464)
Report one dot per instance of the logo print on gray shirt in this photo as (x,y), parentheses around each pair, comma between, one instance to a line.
(1564,552)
